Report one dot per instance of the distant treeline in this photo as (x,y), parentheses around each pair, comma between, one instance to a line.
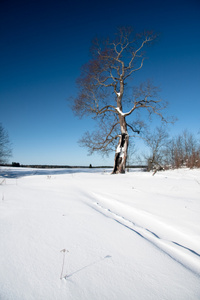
(16,164)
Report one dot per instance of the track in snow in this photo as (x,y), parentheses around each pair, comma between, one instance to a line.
(185,256)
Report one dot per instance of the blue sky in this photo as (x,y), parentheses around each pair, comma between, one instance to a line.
(45,43)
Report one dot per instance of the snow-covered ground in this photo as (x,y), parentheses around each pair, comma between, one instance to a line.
(86,234)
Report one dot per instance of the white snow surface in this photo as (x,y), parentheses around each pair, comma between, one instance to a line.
(85,234)
(120,112)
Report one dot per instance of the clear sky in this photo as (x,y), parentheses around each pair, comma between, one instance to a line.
(43,45)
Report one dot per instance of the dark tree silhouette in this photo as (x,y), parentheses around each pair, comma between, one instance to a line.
(5,147)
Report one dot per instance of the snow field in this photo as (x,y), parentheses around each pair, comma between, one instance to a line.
(132,236)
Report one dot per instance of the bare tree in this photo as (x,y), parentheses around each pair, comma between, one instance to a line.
(183,150)
(5,147)
(103,93)
(156,142)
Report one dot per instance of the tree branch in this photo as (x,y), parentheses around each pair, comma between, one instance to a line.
(134,130)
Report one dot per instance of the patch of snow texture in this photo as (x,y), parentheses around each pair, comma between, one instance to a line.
(119,111)
(120,150)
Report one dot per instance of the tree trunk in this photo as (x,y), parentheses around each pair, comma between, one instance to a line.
(121,154)
(122,148)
